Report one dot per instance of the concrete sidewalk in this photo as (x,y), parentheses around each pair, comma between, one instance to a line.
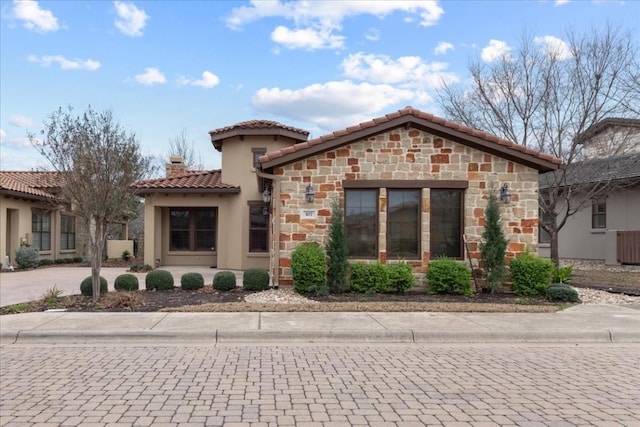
(579,324)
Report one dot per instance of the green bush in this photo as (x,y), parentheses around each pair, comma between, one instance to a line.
(86,286)
(337,251)
(562,292)
(255,279)
(77,259)
(531,274)
(309,268)
(191,281)
(126,255)
(224,280)
(59,261)
(369,278)
(126,282)
(562,274)
(160,280)
(401,276)
(448,276)
(46,261)
(27,257)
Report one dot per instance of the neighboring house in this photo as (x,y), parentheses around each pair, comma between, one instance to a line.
(609,183)
(31,215)
(411,184)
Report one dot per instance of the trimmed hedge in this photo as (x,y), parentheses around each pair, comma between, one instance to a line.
(191,281)
(255,279)
(224,280)
(309,268)
(401,276)
(160,280)
(531,274)
(369,278)
(126,282)
(449,277)
(86,286)
(562,292)
(46,261)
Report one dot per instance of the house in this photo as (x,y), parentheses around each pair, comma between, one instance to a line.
(31,215)
(607,184)
(412,185)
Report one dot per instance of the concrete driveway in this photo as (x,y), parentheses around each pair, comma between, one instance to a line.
(24,286)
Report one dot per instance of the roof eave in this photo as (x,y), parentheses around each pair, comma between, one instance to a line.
(144,191)
(27,196)
(218,138)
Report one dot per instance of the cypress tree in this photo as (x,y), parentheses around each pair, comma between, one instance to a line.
(337,251)
(494,245)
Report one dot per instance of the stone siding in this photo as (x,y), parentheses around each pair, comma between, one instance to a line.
(405,154)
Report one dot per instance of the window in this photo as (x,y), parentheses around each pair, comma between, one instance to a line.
(403,223)
(41,230)
(257,153)
(599,215)
(361,220)
(446,223)
(192,229)
(543,235)
(258,228)
(67,232)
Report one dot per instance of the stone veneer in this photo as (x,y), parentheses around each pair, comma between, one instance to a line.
(406,154)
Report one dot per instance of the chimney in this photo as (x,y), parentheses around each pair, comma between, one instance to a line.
(175,166)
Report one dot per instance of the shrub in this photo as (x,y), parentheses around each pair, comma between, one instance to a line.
(255,279)
(494,245)
(46,261)
(59,261)
(68,260)
(86,286)
(448,276)
(562,274)
(126,255)
(140,267)
(160,280)
(191,281)
(401,276)
(309,268)
(337,251)
(369,278)
(77,259)
(562,292)
(224,280)
(531,274)
(126,282)
(27,257)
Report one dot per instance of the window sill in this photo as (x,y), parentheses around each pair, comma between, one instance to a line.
(544,245)
(598,230)
(190,253)
(67,251)
(258,255)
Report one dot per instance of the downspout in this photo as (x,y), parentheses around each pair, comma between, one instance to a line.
(274,258)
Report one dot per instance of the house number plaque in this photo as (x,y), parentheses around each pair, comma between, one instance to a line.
(308,214)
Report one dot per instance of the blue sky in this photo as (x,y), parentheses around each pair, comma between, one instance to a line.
(167,67)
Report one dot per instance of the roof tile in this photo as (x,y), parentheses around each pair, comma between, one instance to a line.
(39,184)
(187,180)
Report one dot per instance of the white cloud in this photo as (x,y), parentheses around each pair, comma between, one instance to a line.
(372,35)
(315,21)
(554,46)
(13,142)
(33,17)
(64,63)
(21,121)
(3,134)
(409,72)
(150,77)
(496,49)
(443,47)
(131,20)
(560,2)
(207,81)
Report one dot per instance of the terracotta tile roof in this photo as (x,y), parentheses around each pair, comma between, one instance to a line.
(408,114)
(256,127)
(187,181)
(30,184)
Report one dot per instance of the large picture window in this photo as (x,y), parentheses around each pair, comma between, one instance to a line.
(361,220)
(446,223)
(258,228)
(192,229)
(67,232)
(599,215)
(403,223)
(41,230)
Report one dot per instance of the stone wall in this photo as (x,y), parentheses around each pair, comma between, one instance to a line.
(406,154)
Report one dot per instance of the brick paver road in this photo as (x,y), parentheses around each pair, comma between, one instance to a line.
(452,385)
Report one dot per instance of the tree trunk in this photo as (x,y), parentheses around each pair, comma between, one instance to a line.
(553,234)
(96,257)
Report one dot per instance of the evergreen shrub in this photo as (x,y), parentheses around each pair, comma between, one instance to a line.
(309,268)
(446,276)
(86,286)
(494,245)
(337,251)
(126,282)
(27,257)
(255,279)
(191,281)
(159,280)
(369,278)
(531,274)
(224,280)
(401,276)
(562,292)
(562,274)
(46,261)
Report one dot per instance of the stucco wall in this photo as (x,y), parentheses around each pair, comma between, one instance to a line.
(405,154)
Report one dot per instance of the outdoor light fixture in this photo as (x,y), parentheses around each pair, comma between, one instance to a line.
(266,198)
(309,194)
(505,194)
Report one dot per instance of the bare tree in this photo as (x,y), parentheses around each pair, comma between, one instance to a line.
(544,95)
(98,162)
(182,147)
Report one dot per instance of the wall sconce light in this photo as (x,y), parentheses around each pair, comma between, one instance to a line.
(309,194)
(505,194)
(266,198)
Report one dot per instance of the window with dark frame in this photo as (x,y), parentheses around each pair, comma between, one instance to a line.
(258,228)
(599,215)
(446,223)
(403,223)
(257,153)
(41,230)
(67,232)
(361,223)
(192,229)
